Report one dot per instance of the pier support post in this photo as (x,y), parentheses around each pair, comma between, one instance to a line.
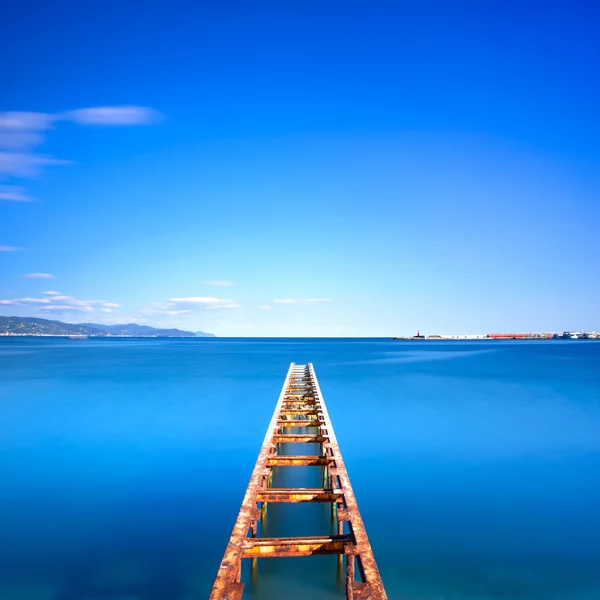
(254,571)
(350,576)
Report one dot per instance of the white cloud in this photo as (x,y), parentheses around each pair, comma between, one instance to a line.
(26,164)
(38,276)
(8,249)
(168,312)
(33,300)
(22,301)
(20,140)
(183,306)
(114,115)
(56,302)
(111,318)
(301,300)
(205,302)
(26,121)
(13,193)
(195,300)
(22,132)
(70,301)
(219,283)
(265,307)
(168,309)
(67,308)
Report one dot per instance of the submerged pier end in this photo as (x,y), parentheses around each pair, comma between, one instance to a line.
(301,404)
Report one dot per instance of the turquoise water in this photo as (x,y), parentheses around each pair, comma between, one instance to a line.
(123,464)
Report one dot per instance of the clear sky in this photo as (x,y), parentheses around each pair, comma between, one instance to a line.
(302,168)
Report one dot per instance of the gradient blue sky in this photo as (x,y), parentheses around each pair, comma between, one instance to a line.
(379,167)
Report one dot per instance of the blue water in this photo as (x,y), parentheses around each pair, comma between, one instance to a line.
(123,463)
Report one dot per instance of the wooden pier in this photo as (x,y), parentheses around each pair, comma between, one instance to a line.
(301,405)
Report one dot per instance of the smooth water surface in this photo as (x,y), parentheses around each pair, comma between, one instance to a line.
(123,464)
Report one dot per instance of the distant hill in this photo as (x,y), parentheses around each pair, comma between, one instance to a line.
(139,330)
(35,326)
(204,334)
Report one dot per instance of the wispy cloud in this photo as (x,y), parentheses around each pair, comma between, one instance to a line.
(22,132)
(26,164)
(8,249)
(56,302)
(165,311)
(206,302)
(32,301)
(219,283)
(265,307)
(26,121)
(114,115)
(22,301)
(38,276)
(301,300)
(14,193)
(183,306)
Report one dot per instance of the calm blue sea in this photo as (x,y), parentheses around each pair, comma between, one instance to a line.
(123,463)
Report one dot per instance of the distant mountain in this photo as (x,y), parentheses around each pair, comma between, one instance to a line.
(35,326)
(204,334)
(140,330)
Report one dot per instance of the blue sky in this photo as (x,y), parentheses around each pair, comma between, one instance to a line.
(344,169)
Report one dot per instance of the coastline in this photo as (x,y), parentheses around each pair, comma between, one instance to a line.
(566,335)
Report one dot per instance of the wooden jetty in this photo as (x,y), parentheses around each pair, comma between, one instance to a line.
(301,404)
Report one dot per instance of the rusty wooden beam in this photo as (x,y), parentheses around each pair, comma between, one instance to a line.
(298,495)
(300,423)
(299,461)
(296,438)
(299,546)
(290,424)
